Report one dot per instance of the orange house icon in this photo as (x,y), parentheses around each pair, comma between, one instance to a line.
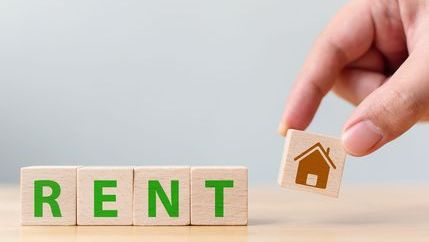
(314,166)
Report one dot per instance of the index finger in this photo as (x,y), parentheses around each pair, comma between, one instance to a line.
(348,36)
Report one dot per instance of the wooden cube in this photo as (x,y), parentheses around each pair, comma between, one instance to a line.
(218,195)
(48,195)
(161,195)
(312,162)
(104,195)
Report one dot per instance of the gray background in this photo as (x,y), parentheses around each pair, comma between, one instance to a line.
(167,82)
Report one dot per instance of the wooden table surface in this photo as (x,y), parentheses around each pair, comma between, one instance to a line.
(361,213)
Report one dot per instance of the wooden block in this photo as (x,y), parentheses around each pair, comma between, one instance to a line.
(48,195)
(312,162)
(161,195)
(218,195)
(104,195)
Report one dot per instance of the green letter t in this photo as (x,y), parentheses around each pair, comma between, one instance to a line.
(219,186)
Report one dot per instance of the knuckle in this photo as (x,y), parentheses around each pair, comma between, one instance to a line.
(317,89)
(410,105)
(398,111)
(332,45)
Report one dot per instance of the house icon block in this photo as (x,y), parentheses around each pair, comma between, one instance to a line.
(312,162)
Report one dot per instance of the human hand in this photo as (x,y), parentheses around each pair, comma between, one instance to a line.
(374,54)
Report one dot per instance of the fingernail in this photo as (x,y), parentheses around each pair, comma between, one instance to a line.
(361,137)
(282,129)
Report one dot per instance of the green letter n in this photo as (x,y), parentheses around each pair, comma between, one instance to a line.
(219,186)
(39,199)
(99,198)
(172,208)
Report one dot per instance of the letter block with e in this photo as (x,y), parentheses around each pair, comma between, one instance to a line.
(48,195)
(104,195)
(161,195)
(219,195)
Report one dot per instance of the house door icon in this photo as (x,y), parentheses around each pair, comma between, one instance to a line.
(314,166)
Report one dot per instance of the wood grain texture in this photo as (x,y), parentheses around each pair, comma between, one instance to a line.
(164,175)
(65,176)
(296,145)
(203,198)
(124,193)
(372,212)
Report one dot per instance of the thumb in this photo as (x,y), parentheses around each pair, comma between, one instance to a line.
(391,109)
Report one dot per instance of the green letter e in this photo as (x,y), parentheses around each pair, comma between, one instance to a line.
(99,198)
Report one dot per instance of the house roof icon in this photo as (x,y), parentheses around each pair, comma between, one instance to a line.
(317,146)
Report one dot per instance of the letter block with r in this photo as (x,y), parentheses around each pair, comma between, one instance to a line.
(48,195)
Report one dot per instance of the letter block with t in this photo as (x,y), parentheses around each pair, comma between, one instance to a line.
(104,195)
(48,195)
(218,195)
(161,195)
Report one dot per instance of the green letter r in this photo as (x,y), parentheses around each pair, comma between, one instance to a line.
(39,199)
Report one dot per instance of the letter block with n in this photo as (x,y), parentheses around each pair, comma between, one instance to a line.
(161,195)
(48,195)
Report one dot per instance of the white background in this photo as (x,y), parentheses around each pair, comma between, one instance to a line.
(96,82)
